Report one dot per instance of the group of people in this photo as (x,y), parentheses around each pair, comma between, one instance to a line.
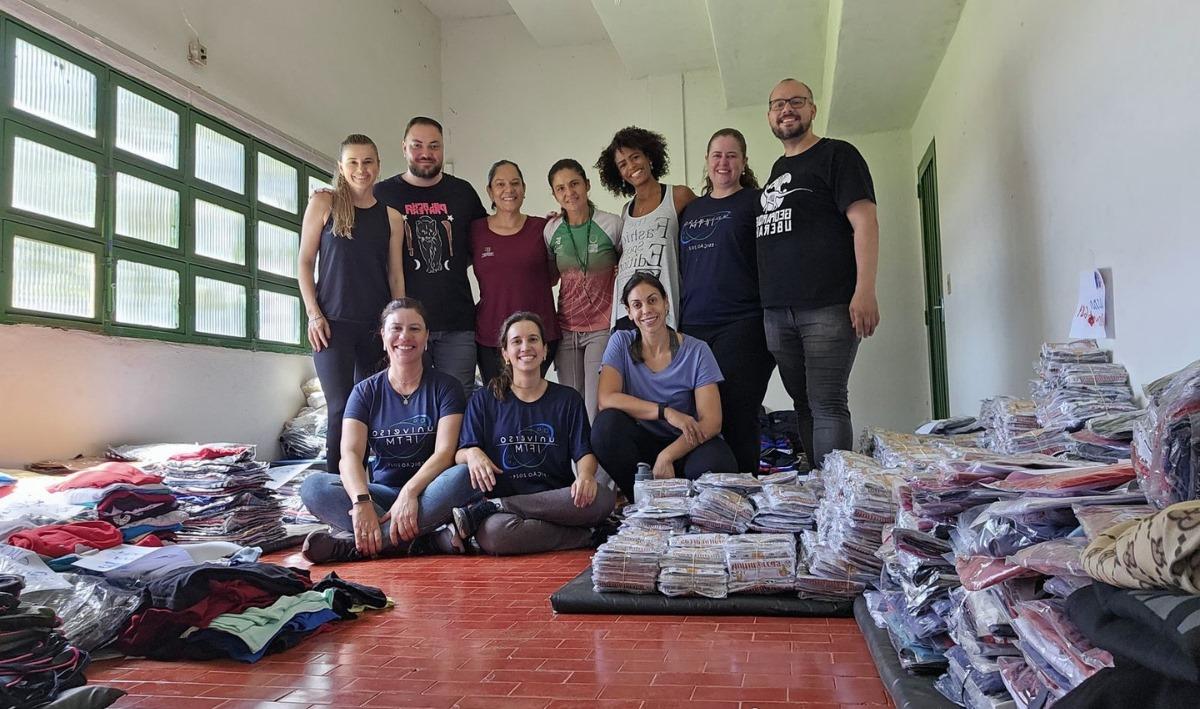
(671,317)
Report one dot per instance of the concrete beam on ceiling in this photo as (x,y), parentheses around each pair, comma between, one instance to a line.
(655,37)
(759,42)
(560,23)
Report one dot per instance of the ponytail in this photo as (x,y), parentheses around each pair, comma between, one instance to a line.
(501,384)
(343,200)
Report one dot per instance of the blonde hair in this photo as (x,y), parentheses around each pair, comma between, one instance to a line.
(343,201)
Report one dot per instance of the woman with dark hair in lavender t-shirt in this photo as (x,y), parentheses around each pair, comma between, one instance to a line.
(659,401)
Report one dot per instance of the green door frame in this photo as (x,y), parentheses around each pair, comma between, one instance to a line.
(935,320)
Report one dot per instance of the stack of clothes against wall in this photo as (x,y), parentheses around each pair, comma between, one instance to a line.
(135,502)
(223,489)
(37,662)
(303,436)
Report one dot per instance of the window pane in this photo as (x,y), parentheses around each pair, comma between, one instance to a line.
(314,184)
(220,233)
(53,279)
(147,129)
(277,183)
(220,307)
(54,89)
(278,250)
(278,317)
(147,211)
(220,160)
(147,295)
(53,183)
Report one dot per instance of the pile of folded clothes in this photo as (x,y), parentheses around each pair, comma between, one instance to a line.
(721,510)
(784,508)
(37,662)
(240,611)
(1077,381)
(1105,439)
(134,501)
(223,490)
(913,597)
(303,436)
(694,565)
(1166,441)
(761,563)
(917,451)
(855,507)
(1012,428)
(629,561)
(666,514)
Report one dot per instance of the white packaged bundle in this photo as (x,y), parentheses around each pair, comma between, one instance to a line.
(743,484)
(761,563)
(694,565)
(719,510)
(628,562)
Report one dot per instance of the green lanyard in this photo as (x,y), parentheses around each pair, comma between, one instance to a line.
(586,258)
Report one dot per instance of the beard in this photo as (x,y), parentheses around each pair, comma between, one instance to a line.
(423,171)
(799,129)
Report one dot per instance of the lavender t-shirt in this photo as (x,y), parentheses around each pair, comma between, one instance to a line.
(692,367)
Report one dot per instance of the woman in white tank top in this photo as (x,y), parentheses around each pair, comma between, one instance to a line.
(631,165)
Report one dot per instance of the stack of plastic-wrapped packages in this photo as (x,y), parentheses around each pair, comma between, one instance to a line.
(721,503)
(694,565)
(761,563)
(784,508)
(303,436)
(913,598)
(1012,428)
(1166,442)
(629,561)
(1106,438)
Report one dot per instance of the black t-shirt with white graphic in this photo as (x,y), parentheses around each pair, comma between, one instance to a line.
(805,242)
(437,248)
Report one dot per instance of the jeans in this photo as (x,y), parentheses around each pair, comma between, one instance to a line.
(355,352)
(490,362)
(815,350)
(325,497)
(741,351)
(453,352)
(620,444)
(543,521)
(578,362)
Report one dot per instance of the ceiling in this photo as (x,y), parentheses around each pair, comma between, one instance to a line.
(869,62)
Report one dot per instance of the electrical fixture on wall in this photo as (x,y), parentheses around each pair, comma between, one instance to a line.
(197,53)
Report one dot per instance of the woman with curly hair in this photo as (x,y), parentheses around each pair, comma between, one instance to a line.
(631,165)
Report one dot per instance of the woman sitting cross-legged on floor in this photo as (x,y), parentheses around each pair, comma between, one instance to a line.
(658,396)
(519,439)
(410,416)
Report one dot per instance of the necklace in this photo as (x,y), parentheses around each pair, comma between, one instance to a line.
(399,383)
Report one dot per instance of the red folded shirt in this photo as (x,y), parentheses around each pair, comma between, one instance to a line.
(104,475)
(209,453)
(55,540)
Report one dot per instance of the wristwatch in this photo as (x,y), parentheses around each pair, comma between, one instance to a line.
(662,411)
(365,497)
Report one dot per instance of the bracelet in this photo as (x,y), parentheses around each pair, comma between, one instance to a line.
(313,320)
(662,411)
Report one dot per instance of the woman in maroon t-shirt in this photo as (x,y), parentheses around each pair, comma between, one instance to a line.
(514,271)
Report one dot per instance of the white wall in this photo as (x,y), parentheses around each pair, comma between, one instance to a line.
(1066,140)
(314,71)
(506,97)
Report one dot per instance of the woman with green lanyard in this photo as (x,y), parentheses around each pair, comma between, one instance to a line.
(585,244)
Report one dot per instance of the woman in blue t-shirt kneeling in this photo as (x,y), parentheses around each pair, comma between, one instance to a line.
(526,443)
(410,416)
(658,396)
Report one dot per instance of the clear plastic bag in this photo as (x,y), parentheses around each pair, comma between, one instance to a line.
(93,611)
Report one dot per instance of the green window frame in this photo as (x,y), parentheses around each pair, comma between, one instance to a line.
(163,124)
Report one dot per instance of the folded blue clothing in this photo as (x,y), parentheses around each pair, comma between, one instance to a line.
(139,529)
(299,626)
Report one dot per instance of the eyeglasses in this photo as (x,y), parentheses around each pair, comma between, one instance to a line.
(796,102)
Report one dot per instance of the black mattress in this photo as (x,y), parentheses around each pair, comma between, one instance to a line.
(578,596)
(908,691)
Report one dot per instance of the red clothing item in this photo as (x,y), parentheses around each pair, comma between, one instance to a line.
(106,474)
(55,540)
(210,453)
(155,625)
(514,273)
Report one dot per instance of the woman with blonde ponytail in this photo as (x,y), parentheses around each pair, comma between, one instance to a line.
(360,269)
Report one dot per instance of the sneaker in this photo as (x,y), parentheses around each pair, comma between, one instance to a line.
(467,520)
(322,547)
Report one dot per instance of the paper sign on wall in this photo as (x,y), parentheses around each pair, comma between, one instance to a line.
(1090,317)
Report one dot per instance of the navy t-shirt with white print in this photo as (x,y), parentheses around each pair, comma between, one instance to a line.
(533,443)
(717,260)
(403,436)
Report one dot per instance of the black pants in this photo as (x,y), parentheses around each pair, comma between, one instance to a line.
(741,351)
(490,363)
(354,353)
(620,444)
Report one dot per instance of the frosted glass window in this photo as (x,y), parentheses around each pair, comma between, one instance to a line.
(314,184)
(53,279)
(147,295)
(220,160)
(278,317)
(220,307)
(147,211)
(278,250)
(54,89)
(147,129)
(53,183)
(277,183)
(220,233)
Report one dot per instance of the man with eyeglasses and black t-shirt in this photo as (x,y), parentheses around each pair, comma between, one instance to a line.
(818,246)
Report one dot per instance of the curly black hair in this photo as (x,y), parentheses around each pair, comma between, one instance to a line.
(651,144)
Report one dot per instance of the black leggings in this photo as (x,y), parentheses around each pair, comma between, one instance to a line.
(354,353)
(620,444)
(741,351)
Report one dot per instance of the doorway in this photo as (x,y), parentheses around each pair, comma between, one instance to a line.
(935,320)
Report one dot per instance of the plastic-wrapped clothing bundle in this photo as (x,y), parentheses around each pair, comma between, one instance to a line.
(1064,586)
(93,610)
(914,451)
(1049,635)
(761,563)
(1070,481)
(662,513)
(1071,391)
(694,567)
(817,588)
(951,426)
(628,562)
(980,572)
(721,510)
(787,477)
(1096,519)
(1005,417)
(1057,557)
(1166,441)
(666,487)
(1021,682)
(783,509)
(743,484)
(1091,446)
(997,467)
(855,508)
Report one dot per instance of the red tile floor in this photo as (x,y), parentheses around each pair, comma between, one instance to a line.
(479,632)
